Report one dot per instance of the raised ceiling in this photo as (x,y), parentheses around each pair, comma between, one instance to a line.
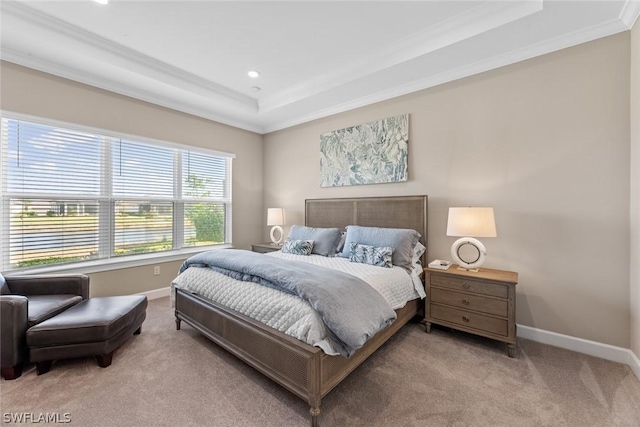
(315,58)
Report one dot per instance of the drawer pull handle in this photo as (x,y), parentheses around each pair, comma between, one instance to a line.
(465,318)
(465,301)
(465,285)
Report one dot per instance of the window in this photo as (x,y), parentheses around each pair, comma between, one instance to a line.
(71,196)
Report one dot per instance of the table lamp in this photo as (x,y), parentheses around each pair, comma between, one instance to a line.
(275,217)
(470,223)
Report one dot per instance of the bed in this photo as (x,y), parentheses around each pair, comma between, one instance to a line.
(306,370)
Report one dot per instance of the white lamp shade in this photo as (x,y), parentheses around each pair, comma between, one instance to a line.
(471,222)
(275,216)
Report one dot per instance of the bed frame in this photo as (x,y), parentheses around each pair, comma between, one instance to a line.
(301,368)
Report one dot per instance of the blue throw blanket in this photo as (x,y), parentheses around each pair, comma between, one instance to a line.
(352,310)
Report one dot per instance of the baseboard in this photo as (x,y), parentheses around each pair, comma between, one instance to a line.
(634,363)
(580,345)
(156,293)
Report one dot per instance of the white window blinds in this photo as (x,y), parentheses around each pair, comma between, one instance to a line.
(205,189)
(142,170)
(70,196)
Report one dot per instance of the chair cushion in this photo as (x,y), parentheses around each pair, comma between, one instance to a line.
(43,307)
(4,287)
(93,320)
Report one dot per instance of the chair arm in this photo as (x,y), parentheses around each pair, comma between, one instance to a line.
(13,329)
(75,284)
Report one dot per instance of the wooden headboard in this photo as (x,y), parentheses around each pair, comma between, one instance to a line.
(387,212)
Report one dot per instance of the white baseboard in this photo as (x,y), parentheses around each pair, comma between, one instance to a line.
(634,363)
(592,348)
(156,293)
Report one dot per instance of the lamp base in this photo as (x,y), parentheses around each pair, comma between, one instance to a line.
(470,270)
(277,241)
(473,264)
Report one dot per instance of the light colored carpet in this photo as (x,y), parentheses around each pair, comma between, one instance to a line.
(165,377)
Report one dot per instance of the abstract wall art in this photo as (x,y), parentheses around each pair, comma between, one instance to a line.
(371,153)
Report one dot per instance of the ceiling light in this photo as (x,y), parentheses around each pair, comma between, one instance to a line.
(253,74)
(255,88)
(102,1)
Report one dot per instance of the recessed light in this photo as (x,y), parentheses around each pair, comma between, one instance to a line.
(102,1)
(253,74)
(255,88)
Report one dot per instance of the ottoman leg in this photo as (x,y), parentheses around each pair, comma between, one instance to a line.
(104,360)
(138,331)
(43,367)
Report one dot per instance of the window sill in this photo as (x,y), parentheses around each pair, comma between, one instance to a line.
(115,263)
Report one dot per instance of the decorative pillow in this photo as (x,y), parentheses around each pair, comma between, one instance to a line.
(297,247)
(402,240)
(364,254)
(325,240)
(4,288)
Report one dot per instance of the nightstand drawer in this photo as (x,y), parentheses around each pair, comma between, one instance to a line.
(470,320)
(471,302)
(475,286)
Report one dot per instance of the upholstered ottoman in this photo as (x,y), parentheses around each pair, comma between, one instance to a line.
(94,327)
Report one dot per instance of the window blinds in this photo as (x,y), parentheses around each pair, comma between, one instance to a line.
(70,196)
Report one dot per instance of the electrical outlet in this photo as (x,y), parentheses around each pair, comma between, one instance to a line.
(156,270)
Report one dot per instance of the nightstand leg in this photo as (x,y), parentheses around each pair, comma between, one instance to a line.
(511,350)
(427,327)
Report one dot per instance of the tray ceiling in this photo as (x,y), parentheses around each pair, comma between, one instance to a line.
(315,58)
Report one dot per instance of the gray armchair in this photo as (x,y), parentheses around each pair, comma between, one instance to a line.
(26,301)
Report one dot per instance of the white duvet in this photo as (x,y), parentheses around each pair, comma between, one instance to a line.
(289,313)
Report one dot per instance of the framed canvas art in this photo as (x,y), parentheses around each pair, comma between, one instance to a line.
(371,153)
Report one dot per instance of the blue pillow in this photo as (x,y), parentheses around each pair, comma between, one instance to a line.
(325,240)
(297,247)
(365,254)
(402,240)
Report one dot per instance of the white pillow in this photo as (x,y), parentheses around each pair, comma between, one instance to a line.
(418,250)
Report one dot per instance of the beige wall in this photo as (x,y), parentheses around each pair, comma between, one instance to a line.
(27,91)
(121,281)
(635,189)
(546,143)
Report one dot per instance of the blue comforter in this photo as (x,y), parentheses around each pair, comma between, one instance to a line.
(352,310)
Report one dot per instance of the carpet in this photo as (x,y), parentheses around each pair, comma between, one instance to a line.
(165,377)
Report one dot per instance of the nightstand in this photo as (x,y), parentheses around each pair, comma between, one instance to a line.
(263,248)
(482,303)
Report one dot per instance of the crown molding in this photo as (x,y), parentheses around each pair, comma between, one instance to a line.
(246,113)
(542,48)
(482,18)
(133,60)
(69,73)
(630,12)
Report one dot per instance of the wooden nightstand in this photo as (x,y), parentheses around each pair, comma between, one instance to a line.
(482,303)
(263,248)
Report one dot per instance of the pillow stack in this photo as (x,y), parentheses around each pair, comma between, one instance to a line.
(402,241)
(325,240)
(383,247)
